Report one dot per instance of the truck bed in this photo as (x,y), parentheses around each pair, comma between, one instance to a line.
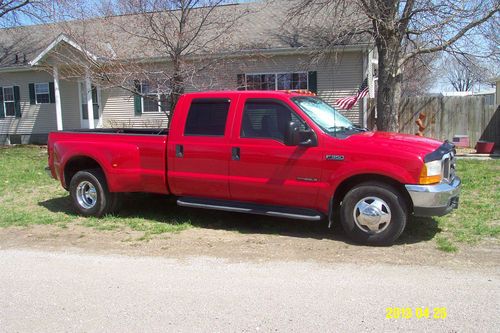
(133,159)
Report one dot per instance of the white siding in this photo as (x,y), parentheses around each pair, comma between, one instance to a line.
(118,111)
(41,118)
(338,76)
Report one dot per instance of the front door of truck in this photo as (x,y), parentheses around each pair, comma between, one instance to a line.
(263,169)
(198,148)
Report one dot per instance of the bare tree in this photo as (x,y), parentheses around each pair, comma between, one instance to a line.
(180,29)
(402,31)
(418,75)
(170,44)
(11,7)
(13,11)
(464,72)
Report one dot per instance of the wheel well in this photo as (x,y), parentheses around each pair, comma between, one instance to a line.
(78,164)
(349,183)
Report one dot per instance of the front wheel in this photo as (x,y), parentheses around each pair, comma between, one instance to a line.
(373,213)
(90,194)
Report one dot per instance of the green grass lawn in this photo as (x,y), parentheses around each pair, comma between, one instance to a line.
(478,216)
(28,196)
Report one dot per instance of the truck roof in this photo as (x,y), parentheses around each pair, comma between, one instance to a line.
(263,93)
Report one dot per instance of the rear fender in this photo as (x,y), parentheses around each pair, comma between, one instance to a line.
(120,162)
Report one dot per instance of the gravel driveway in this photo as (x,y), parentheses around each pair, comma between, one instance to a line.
(53,291)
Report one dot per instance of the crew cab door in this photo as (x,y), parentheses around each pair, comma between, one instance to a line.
(198,147)
(263,169)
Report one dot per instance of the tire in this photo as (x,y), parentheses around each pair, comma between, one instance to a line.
(373,213)
(116,203)
(90,194)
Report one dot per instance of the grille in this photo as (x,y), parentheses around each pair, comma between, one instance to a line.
(453,165)
(449,166)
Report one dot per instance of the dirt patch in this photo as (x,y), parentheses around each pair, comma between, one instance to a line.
(238,246)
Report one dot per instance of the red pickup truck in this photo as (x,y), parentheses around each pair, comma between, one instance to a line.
(286,154)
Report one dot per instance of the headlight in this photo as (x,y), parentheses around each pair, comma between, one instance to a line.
(431,172)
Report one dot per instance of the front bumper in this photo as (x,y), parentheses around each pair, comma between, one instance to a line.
(435,200)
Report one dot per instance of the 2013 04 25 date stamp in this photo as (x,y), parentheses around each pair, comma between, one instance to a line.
(416,312)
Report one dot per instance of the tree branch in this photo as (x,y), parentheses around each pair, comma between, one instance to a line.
(455,38)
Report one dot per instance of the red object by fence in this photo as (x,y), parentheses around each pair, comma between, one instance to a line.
(483,147)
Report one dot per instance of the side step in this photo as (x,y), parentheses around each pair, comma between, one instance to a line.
(250,208)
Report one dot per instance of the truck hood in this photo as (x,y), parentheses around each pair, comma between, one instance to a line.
(396,142)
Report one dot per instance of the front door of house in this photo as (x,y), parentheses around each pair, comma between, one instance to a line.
(84,119)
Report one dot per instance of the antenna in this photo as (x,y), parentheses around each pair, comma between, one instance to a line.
(335,120)
(334,109)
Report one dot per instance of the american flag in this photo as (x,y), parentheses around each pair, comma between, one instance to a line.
(347,103)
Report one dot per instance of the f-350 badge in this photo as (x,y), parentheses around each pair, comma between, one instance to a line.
(335,157)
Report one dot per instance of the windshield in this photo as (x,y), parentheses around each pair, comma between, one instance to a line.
(324,115)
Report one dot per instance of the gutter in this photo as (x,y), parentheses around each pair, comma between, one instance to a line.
(253,52)
(15,69)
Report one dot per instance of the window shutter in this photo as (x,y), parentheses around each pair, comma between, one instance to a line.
(313,81)
(85,113)
(137,98)
(52,94)
(32,93)
(240,81)
(17,102)
(2,112)
(164,103)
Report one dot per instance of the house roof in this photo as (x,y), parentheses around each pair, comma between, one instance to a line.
(495,79)
(262,26)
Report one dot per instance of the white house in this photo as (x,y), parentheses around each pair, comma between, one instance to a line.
(36,99)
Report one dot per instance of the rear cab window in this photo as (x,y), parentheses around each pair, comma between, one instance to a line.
(207,117)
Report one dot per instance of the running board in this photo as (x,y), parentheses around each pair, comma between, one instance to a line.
(249,208)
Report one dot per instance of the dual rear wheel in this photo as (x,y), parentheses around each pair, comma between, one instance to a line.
(90,194)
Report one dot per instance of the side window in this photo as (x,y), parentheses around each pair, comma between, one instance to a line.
(42,93)
(207,117)
(8,101)
(267,119)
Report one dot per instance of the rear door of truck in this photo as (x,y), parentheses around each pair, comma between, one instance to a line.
(198,148)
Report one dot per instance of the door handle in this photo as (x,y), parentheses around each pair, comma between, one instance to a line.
(179,151)
(235,154)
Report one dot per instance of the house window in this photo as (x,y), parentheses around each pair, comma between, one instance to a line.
(261,81)
(277,81)
(292,81)
(42,93)
(152,99)
(9,101)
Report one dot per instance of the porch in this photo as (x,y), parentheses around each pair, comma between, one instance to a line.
(89,95)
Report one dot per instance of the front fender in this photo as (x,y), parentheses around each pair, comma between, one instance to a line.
(352,169)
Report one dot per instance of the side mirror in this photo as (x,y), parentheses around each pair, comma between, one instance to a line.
(292,134)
